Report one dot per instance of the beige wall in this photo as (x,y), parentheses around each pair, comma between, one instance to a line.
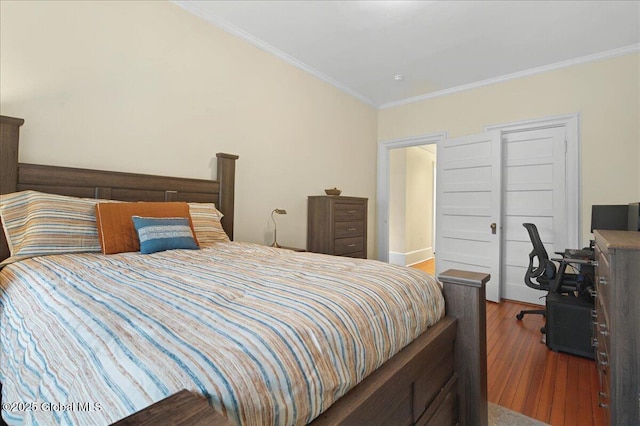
(419,199)
(146,87)
(397,199)
(605,93)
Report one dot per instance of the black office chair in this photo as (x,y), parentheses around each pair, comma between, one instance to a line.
(542,273)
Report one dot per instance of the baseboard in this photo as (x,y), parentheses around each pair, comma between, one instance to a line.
(412,257)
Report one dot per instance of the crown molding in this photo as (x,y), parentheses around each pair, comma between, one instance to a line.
(634,48)
(191,7)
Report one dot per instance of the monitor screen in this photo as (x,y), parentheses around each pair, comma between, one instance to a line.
(609,217)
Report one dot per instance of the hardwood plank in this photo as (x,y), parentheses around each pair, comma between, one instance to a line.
(573,392)
(428,266)
(508,359)
(585,390)
(511,377)
(531,381)
(544,397)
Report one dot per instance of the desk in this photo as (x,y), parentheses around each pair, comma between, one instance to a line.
(584,259)
(583,254)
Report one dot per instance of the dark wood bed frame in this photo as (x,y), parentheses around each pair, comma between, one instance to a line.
(440,378)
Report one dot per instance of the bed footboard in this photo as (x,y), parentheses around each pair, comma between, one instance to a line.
(465,299)
(402,391)
(439,379)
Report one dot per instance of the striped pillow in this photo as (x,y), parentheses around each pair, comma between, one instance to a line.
(206,223)
(37,224)
(164,233)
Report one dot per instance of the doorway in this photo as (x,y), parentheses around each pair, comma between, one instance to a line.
(412,204)
(541,163)
(383,188)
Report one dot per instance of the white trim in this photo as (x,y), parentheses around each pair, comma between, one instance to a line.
(526,73)
(383,183)
(396,258)
(571,123)
(412,257)
(191,7)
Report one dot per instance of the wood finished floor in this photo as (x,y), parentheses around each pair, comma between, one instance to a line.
(525,376)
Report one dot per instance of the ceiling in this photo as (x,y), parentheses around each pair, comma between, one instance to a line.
(438,47)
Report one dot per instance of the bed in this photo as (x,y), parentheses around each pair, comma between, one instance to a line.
(434,375)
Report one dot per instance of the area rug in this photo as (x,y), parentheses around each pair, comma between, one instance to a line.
(500,416)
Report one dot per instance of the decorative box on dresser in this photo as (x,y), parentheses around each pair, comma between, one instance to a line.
(617,324)
(337,225)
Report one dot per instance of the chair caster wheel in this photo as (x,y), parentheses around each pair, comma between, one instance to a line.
(520,316)
(543,330)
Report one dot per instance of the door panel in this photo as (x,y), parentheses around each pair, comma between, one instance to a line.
(534,191)
(468,202)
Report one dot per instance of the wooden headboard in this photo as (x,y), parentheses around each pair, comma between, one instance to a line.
(87,183)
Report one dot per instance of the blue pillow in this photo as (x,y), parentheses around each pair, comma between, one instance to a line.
(164,233)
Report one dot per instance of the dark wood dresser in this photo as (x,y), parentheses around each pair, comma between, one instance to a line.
(617,324)
(337,225)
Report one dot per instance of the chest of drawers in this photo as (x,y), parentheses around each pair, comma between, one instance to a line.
(337,225)
(617,324)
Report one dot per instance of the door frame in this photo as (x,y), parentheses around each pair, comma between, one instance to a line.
(383,183)
(571,124)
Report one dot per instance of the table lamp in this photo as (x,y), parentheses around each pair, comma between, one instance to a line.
(275,229)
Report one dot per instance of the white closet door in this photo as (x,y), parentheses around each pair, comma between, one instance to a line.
(535,192)
(468,203)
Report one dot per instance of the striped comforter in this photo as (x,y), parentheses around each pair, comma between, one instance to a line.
(270,336)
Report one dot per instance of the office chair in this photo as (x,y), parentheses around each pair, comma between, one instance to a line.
(544,275)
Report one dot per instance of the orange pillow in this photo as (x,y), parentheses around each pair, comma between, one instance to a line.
(115,226)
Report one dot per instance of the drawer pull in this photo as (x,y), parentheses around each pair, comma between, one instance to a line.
(594,314)
(351,229)
(602,358)
(351,211)
(351,245)
(594,342)
(602,328)
(601,396)
(593,293)
(602,280)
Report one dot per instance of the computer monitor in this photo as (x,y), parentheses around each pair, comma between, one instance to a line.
(634,217)
(613,217)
